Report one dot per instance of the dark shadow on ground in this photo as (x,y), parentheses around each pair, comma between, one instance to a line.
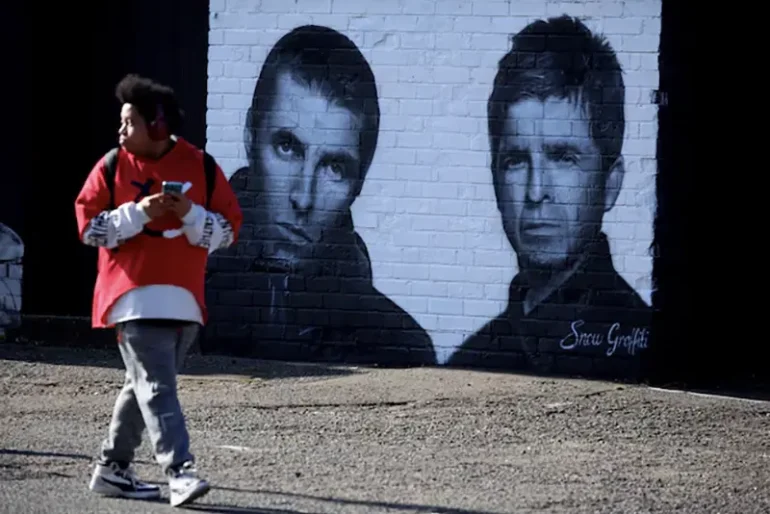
(58,455)
(231,509)
(69,345)
(748,390)
(32,453)
(432,509)
(196,365)
(757,394)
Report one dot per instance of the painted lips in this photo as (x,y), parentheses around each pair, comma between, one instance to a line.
(294,233)
(539,228)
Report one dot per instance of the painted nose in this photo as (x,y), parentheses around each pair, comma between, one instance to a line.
(536,190)
(302,191)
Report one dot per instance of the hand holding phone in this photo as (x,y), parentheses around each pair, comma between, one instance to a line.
(179,204)
(172,187)
(154,205)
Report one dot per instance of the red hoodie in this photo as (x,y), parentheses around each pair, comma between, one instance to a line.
(145,259)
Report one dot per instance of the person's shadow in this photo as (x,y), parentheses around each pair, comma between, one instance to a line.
(231,509)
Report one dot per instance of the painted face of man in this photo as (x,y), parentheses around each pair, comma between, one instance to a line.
(307,158)
(551,190)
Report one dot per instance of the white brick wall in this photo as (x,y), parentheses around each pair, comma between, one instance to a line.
(427,211)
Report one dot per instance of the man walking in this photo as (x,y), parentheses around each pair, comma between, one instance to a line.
(153,248)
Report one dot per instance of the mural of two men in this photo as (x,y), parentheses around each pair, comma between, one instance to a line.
(299,283)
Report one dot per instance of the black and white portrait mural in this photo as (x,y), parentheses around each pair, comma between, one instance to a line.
(452,183)
(556,123)
(310,136)
(11,254)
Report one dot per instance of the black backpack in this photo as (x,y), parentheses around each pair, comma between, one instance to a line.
(111,168)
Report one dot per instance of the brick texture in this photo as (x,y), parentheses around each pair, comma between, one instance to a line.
(11,255)
(427,211)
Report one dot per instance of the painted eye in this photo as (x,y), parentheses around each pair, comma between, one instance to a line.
(284,147)
(514,164)
(287,146)
(337,170)
(563,154)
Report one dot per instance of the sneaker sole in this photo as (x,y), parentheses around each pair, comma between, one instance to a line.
(200,491)
(104,489)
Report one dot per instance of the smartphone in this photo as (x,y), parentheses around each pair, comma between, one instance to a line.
(172,187)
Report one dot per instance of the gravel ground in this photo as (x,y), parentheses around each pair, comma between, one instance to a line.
(284,438)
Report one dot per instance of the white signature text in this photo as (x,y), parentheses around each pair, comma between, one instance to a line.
(632,340)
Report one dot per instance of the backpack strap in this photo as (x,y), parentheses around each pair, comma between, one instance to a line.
(110,170)
(210,168)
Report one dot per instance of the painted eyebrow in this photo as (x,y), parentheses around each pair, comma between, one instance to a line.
(560,148)
(286,133)
(509,150)
(341,155)
(513,151)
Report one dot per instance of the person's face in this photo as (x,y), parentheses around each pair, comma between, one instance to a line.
(132,134)
(307,156)
(551,190)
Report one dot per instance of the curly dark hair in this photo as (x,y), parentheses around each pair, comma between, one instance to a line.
(147,95)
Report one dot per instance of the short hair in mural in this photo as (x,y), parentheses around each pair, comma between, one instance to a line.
(298,284)
(11,254)
(556,126)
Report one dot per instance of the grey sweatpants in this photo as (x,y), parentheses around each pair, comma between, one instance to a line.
(153,352)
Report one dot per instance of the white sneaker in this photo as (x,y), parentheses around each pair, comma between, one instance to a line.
(112,479)
(185,486)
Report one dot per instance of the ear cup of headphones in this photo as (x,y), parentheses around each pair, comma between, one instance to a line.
(158,129)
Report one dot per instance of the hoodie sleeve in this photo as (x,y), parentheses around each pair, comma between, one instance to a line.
(97,225)
(219,227)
